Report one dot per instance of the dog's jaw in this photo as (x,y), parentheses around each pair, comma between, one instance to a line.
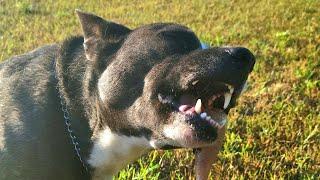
(111,152)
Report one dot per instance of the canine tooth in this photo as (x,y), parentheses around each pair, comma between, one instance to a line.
(198,106)
(231,89)
(195,82)
(227,99)
(203,115)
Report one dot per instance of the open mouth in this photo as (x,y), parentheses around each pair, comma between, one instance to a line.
(202,106)
(207,109)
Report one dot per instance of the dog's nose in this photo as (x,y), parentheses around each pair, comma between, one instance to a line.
(242,54)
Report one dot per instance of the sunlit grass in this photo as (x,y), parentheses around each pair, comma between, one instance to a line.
(275,130)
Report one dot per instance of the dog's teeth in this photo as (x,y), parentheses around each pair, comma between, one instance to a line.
(203,115)
(198,106)
(231,89)
(213,122)
(223,122)
(208,118)
(195,82)
(227,96)
(227,99)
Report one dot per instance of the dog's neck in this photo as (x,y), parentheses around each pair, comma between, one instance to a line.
(71,70)
(78,78)
(68,74)
(106,151)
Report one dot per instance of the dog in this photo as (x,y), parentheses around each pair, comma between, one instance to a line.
(85,108)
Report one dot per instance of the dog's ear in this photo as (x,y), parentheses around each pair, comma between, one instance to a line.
(97,32)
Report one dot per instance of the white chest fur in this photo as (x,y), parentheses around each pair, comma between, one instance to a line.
(112,152)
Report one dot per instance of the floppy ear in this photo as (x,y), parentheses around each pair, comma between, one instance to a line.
(97,32)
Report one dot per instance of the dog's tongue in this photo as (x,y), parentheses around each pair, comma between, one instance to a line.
(205,157)
(191,109)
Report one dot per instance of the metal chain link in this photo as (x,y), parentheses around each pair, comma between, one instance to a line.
(67,121)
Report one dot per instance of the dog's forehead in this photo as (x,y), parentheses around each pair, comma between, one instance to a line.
(165,38)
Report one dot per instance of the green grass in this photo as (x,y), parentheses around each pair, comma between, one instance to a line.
(274,133)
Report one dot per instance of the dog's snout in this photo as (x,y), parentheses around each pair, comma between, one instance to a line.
(242,54)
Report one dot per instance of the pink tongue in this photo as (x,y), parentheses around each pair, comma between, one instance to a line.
(207,156)
(187,109)
(204,160)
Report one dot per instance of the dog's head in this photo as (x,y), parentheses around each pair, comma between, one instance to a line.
(158,82)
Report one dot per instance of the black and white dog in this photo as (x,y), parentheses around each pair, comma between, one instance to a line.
(116,93)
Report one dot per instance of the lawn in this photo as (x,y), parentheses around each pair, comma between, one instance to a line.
(273,133)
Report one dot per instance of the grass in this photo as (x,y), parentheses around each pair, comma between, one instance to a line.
(274,133)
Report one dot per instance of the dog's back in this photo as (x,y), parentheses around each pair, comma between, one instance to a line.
(27,90)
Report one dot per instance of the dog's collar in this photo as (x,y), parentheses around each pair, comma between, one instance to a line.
(67,122)
(204,45)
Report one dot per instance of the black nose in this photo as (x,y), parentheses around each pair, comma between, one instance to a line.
(242,54)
